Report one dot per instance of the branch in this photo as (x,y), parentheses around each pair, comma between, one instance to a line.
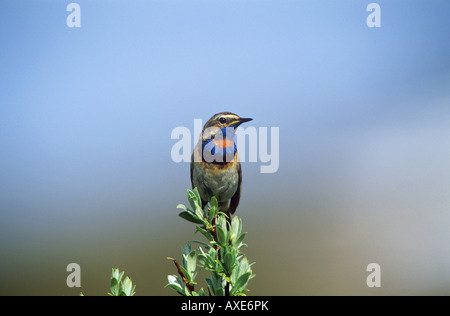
(189,286)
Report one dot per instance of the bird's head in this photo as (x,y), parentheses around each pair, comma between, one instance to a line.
(222,123)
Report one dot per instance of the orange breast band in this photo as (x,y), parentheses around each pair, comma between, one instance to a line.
(224,143)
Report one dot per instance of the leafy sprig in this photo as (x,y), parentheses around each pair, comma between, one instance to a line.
(230,271)
(119,287)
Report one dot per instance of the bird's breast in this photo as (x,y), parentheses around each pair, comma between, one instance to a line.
(219,180)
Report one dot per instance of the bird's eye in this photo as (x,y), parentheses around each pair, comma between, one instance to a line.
(222,120)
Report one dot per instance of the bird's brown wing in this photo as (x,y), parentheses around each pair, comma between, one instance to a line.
(234,202)
(204,202)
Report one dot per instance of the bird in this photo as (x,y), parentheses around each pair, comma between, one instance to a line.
(215,166)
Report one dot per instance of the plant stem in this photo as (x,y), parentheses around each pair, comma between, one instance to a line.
(189,286)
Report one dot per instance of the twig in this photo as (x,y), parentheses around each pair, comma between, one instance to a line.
(227,289)
(189,286)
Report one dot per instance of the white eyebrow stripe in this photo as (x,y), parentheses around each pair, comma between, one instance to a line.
(229,116)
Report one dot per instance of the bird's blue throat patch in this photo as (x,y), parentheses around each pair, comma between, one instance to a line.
(219,150)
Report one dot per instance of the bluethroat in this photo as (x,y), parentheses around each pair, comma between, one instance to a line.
(215,167)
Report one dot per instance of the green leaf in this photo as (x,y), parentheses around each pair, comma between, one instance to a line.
(221,235)
(205,233)
(203,260)
(197,196)
(115,273)
(207,259)
(120,275)
(127,286)
(192,198)
(183,207)
(228,262)
(215,284)
(201,243)
(173,281)
(219,267)
(114,287)
(214,203)
(241,282)
(244,266)
(176,288)
(177,284)
(186,250)
(239,240)
(199,212)
(190,218)
(235,226)
(202,292)
(222,223)
(185,273)
(211,285)
(191,262)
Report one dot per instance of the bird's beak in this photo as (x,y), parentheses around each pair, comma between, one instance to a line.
(240,121)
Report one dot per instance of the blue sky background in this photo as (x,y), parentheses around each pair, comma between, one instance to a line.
(86,116)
